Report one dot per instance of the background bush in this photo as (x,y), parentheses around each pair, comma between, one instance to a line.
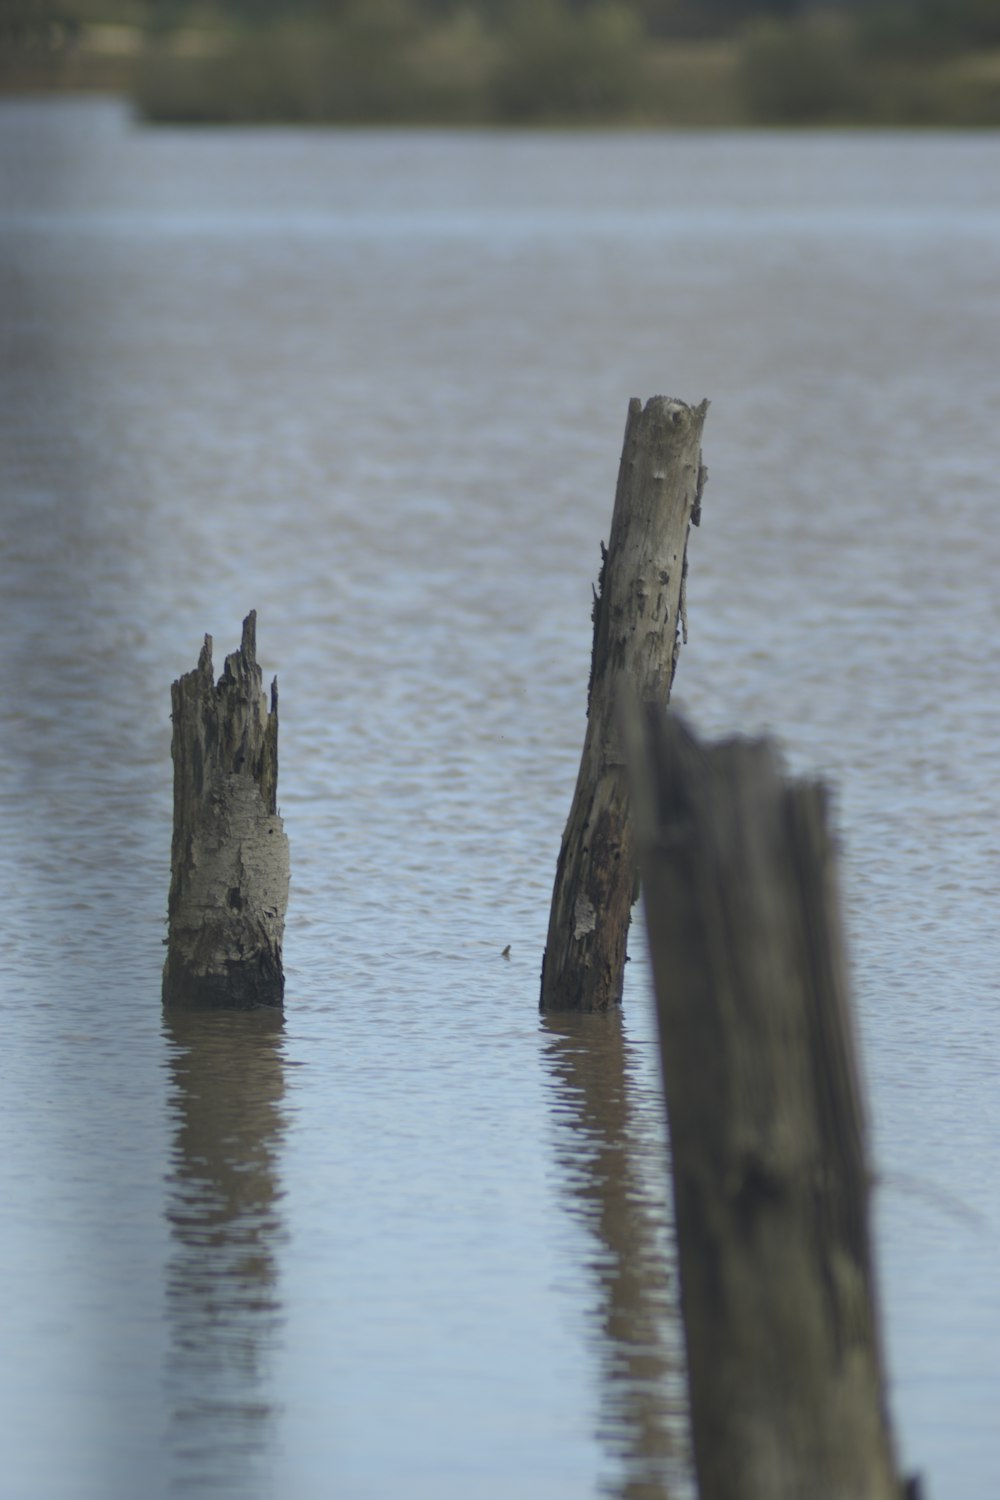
(802,72)
(563,64)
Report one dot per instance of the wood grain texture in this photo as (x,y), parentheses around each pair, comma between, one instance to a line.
(639,624)
(229,856)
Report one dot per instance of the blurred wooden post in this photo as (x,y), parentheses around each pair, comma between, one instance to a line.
(229,858)
(639,622)
(767,1128)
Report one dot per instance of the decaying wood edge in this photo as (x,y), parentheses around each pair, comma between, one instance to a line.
(640,621)
(229,853)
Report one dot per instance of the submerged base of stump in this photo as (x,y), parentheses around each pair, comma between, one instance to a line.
(229,858)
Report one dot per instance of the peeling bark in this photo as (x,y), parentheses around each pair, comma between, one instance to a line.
(639,623)
(229,858)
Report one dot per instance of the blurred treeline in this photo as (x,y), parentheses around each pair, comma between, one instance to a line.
(683,62)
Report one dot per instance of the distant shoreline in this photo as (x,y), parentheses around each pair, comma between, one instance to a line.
(287,73)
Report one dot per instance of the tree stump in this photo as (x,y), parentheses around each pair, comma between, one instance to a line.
(639,622)
(229,857)
(767,1127)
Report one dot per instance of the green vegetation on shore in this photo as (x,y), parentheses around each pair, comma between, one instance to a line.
(674,62)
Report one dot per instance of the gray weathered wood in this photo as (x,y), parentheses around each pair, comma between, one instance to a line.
(639,623)
(229,858)
(768,1136)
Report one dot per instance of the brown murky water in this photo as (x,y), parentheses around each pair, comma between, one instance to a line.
(413,1241)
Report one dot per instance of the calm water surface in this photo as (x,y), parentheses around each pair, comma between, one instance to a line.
(413,1241)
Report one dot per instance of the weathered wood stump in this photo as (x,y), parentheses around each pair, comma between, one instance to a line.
(229,858)
(639,622)
(767,1127)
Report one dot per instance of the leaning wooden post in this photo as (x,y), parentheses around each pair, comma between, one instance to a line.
(229,859)
(639,622)
(767,1127)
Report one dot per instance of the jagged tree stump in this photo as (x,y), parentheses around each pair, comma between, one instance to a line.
(767,1126)
(639,622)
(229,858)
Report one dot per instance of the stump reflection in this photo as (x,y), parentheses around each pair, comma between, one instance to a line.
(616,1185)
(223,1206)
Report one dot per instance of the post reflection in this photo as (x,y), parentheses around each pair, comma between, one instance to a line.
(223,1308)
(614,1179)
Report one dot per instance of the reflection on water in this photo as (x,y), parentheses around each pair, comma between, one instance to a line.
(373,384)
(223,1205)
(615,1184)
